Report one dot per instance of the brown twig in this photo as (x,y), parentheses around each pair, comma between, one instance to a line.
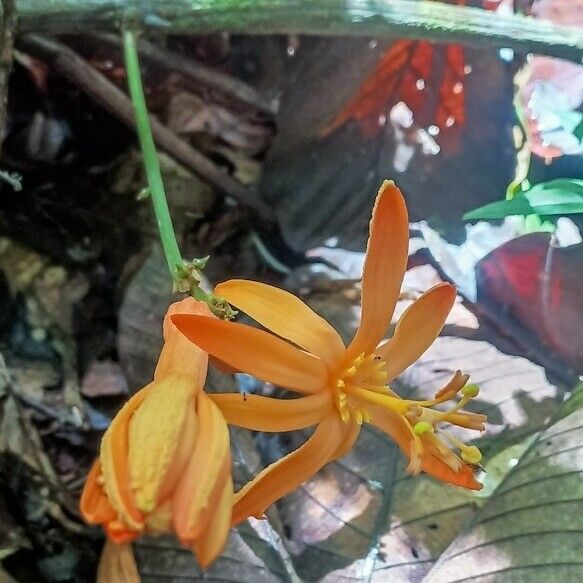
(6,46)
(234,89)
(79,72)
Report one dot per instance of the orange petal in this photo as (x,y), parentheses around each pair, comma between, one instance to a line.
(114,464)
(394,425)
(435,467)
(211,544)
(384,268)
(351,431)
(201,488)
(94,505)
(162,426)
(417,329)
(117,564)
(178,354)
(286,474)
(285,315)
(268,414)
(255,352)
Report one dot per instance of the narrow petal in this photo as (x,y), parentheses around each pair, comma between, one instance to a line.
(117,564)
(268,414)
(201,488)
(178,353)
(94,505)
(286,474)
(285,315)
(255,352)
(384,268)
(212,542)
(351,431)
(162,425)
(417,329)
(115,468)
(394,425)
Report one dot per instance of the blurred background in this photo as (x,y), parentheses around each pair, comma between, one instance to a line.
(272,148)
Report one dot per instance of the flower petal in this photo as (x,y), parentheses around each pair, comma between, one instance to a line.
(94,505)
(178,354)
(210,546)
(417,329)
(255,352)
(115,468)
(285,315)
(268,414)
(384,268)
(161,426)
(393,424)
(351,431)
(201,488)
(286,474)
(117,563)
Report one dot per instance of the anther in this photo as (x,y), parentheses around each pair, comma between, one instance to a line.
(422,427)
(340,383)
(471,454)
(470,391)
(350,372)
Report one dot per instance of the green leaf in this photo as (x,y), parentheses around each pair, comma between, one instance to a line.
(563,196)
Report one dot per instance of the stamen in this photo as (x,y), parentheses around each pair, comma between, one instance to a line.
(471,391)
(340,383)
(422,427)
(471,454)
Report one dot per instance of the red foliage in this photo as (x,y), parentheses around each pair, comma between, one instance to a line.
(403,73)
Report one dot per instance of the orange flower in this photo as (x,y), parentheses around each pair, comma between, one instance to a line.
(165,463)
(344,386)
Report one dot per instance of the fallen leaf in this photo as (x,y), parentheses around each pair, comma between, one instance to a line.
(531,529)
(104,378)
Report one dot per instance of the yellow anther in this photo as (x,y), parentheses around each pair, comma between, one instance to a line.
(422,427)
(470,391)
(370,357)
(342,396)
(358,417)
(471,454)
(350,372)
(345,414)
(382,365)
(381,375)
(359,359)
(340,383)
(366,416)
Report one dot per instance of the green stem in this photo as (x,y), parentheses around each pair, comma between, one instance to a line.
(151,163)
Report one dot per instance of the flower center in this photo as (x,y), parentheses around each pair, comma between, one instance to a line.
(367,372)
(363,382)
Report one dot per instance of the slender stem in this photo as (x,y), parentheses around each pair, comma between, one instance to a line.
(151,163)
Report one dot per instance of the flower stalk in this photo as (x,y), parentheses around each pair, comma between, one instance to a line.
(186,276)
(151,162)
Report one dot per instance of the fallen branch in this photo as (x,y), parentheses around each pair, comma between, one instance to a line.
(233,88)
(79,72)
(433,21)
